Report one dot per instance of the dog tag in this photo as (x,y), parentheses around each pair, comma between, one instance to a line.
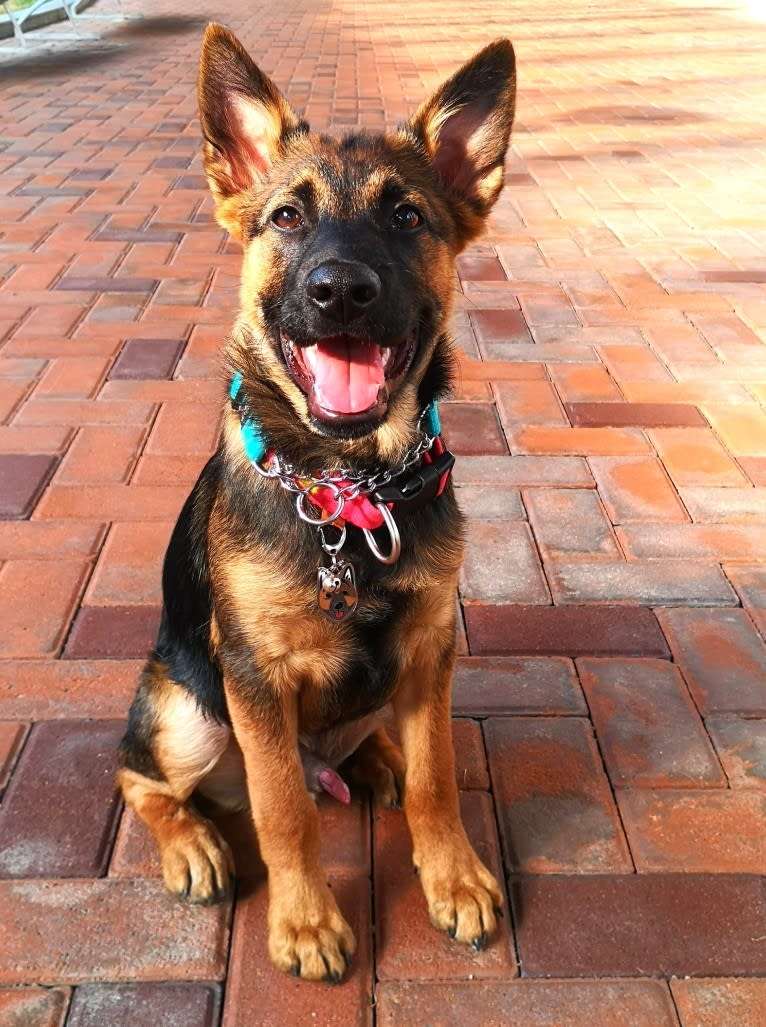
(336,590)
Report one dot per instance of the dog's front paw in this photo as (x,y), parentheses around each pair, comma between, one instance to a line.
(309,937)
(197,863)
(463,897)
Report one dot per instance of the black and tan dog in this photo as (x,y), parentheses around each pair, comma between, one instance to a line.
(309,585)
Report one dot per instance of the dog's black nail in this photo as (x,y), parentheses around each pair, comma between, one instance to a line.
(332,976)
(347,959)
(452,930)
(479,943)
(500,912)
(295,970)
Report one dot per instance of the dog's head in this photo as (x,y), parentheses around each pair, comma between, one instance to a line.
(349,244)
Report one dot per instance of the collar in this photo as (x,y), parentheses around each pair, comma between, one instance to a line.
(358,501)
(252,435)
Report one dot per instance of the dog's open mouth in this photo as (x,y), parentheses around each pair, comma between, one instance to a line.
(346,378)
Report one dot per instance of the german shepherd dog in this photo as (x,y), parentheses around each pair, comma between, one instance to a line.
(310,582)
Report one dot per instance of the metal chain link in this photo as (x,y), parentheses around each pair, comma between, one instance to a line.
(355,483)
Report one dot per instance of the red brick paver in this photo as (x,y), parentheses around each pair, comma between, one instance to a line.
(609,419)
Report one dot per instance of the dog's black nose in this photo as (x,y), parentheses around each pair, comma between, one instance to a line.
(343,290)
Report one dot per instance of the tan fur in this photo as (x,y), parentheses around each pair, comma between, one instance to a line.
(295,652)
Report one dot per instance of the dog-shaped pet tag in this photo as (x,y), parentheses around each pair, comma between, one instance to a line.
(336,590)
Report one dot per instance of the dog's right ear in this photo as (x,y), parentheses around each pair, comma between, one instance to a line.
(245,120)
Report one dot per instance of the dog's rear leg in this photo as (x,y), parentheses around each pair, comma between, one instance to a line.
(378,764)
(170,746)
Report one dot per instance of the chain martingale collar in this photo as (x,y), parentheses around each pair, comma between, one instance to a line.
(337,496)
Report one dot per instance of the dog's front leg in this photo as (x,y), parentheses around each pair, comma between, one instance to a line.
(462,895)
(307,933)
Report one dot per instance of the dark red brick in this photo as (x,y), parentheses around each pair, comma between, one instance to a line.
(480,268)
(485,686)
(171,162)
(526,1004)
(130,1005)
(640,925)
(68,932)
(147,358)
(601,630)
(52,192)
(257,993)
(112,632)
(23,476)
(191,182)
(106,285)
(472,429)
(500,325)
(642,415)
(554,803)
(407,945)
(59,813)
(129,235)
(90,174)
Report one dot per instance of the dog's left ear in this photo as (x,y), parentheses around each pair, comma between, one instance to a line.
(466,125)
(245,121)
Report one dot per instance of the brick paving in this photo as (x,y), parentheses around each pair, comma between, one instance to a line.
(610,420)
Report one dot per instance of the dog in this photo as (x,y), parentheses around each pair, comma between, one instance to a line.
(309,584)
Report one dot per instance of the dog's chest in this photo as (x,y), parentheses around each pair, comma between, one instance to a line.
(339,669)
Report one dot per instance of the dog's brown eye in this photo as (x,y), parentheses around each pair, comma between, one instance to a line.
(287,218)
(406,216)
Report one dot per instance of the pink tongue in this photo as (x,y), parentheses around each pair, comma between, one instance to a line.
(348,374)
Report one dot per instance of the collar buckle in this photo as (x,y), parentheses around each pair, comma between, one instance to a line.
(414,488)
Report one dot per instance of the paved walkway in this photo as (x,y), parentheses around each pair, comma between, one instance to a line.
(611,422)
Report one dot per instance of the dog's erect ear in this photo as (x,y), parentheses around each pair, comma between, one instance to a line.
(244,117)
(465,126)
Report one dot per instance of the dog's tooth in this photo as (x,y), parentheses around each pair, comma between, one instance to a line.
(310,354)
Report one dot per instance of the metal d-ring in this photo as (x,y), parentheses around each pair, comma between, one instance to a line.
(326,516)
(393,531)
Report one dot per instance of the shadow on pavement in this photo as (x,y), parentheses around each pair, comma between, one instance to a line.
(114,41)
